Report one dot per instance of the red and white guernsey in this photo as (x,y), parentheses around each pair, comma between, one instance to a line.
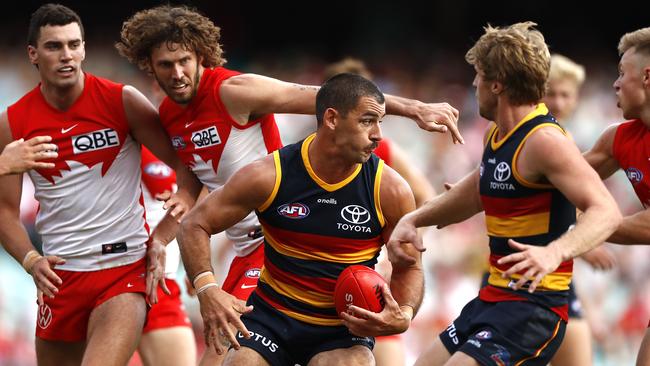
(91,211)
(631,149)
(215,146)
(157,178)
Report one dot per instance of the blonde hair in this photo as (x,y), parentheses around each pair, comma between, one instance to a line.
(563,68)
(516,56)
(347,65)
(639,39)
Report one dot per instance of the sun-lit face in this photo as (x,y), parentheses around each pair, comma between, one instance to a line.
(358,133)
(562,98)
(487,100)
(630,90)
(177,70)
(58,54)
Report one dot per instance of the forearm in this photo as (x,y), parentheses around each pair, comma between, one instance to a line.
(194,244)
(404,107)
(634,229)
(592,229)
(166,230)
(407,286)
(445,209)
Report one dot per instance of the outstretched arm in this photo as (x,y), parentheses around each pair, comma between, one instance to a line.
(245,191)
(249,96)
(20,156)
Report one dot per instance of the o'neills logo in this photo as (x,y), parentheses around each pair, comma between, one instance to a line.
(44,316)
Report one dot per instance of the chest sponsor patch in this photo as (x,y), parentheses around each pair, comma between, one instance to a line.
(206,137)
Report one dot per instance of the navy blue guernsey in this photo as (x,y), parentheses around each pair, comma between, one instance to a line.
(529,212)
(313,230)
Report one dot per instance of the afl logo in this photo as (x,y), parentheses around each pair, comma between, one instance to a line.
(355,214)
(294,210)
(253,273)
(502,172)
(44,316)
(158,169)
(634,175)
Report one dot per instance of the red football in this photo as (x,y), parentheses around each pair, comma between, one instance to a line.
(359,286)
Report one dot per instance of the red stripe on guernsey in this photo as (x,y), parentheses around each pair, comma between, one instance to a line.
(494,294)
(513,207)
(309,242)
(144,214)
(316,284)
(565,267)
(271,134)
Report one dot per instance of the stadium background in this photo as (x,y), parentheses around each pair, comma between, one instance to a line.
(414,50)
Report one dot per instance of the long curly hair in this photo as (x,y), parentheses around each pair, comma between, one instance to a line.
(169,25)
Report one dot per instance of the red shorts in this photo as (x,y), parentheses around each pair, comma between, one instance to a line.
(65,317)
(244,273)
(169,311)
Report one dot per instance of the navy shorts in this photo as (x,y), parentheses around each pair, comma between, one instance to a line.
(282,340)
(505,333)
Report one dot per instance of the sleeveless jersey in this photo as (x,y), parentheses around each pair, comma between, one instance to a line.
(631,149)
(157,178)
(313,230)
(91,210)
(215,146)
(530,213)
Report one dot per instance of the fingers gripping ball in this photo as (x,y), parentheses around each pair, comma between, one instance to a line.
(359,286)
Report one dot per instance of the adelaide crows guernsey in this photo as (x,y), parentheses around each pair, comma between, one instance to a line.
(632,151)
(529,212)
(214,146)
(313,230)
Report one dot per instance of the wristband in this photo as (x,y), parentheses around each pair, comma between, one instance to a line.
(203,279)
(207,286)
(30,258)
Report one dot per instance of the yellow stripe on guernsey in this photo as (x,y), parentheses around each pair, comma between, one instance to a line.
(312,298)
(380,214)
(311,319)
(539,111)
(351,258)
(527,225)
(557,281)
(304,152)
(276,186)
(515,171)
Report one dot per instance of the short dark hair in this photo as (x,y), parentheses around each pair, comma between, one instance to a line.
(342,92)
(51,14)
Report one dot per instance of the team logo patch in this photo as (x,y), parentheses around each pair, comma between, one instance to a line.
(355,214)
(634,175)
(501,357)
(484,334)
(96,140)
(502,172)
(44,316)
(158,169)
(253,273)
(206,137)
(294,210)
(178,143)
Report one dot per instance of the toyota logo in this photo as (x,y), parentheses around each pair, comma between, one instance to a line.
(44,316)
(502,172)
(355,214)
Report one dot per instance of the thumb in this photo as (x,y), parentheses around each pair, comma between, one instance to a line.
(242,308)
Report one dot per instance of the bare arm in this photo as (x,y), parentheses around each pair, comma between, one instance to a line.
(245,191)
(13,236)
(548,153)
(601,155)
(422,189)
(249,96)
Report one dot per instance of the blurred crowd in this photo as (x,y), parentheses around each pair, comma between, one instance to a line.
(617,302)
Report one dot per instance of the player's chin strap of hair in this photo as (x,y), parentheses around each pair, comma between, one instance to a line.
(30,258)
(204,281)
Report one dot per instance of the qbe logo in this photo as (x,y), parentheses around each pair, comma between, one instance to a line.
(96,140)
(206,137)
